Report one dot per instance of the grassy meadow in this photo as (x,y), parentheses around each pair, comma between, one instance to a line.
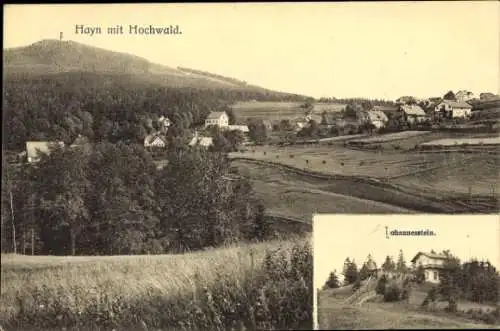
(376,314)
(300,197)
(275,111)
(244,287)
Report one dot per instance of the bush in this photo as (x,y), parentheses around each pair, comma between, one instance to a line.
(357,284)
(392,293)
(278,156)
(324,161)
(382,282)
(265,153)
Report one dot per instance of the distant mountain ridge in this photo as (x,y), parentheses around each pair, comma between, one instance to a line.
(50,56)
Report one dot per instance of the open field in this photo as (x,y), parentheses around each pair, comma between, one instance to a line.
(389,137)
(275,111)
(356,318)
(218,289)
(408,140)
(464,178)
(338,160)
(333,314)
(469,141)
(479,175)
(298,196)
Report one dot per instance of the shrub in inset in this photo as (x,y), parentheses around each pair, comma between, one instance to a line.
(357,284)
(392,293)
(324,162)
(382,282)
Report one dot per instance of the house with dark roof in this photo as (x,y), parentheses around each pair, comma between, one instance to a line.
(389,111)
(218,118)
(432,263)
(373,116)
(413,113)
(454,109)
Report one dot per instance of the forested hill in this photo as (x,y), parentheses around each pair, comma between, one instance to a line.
(55,57)
(59,89)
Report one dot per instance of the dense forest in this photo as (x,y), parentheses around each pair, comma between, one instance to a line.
(111,199)
(103,107)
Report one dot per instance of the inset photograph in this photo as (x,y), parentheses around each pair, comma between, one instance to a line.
(406,272)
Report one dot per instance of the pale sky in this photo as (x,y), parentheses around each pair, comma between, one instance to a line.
(382,50)
(339,236)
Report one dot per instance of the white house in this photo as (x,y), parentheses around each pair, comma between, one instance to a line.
(457,109)
(155,140)
(35,148)
(218,118)
(432,263)
(203,141)
(242,128)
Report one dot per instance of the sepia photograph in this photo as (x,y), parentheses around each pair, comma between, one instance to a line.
(162,163)
(406,272)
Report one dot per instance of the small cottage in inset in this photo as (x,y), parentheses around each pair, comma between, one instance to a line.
(371,267)
(432,263)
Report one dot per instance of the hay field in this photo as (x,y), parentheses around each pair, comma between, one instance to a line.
(296,196)
(389,137)
(238,287)
(338,160)
(408,140)
(479,174)
(464,141)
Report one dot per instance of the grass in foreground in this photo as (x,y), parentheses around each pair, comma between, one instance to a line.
(249,287)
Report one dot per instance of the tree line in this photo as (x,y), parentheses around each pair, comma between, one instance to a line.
(475,281)
(111,199)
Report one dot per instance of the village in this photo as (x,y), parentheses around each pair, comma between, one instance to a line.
(452,111)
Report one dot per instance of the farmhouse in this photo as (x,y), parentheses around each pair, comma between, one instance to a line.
(242,128)
(374,116)
(413,113)
(454,109)
(218,118)
(389,111)
(203,141)
(432,263)
(34,149)
(155,140)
